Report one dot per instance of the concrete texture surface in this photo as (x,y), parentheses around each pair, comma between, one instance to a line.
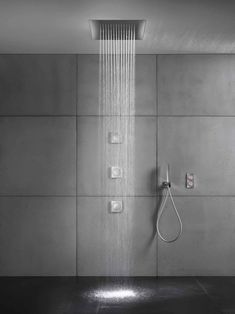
(38,236)
(37,156)
(116,244)
(196,84)
(200,145)
(88,85)
(89,165)
(206,247)
(37,84)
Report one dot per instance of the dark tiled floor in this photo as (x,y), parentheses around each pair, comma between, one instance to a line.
(93,295)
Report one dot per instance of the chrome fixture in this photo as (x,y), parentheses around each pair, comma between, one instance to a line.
(116,206)
(95,26)
(189,181)
(166,186)
(115,172)
(115,138)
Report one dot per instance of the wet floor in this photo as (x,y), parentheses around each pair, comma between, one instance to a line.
(95,295)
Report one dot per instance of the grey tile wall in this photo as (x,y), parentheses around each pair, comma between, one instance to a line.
(38,236)
(200,90)
(116,244)
(88,85)
(37,163)
(206,247)
(40,151)
(37,84)
(89,159)
(196,84)
(101,250)
(37,156)
(200,145)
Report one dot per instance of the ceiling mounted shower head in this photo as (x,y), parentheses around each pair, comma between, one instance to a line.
(139,27)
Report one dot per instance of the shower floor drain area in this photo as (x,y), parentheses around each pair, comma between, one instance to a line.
(117,295)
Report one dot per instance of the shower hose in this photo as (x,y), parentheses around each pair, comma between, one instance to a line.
(161,210)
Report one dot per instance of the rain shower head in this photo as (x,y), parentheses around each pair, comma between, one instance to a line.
(138,24)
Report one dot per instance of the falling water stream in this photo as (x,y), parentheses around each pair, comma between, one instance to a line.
(117,140)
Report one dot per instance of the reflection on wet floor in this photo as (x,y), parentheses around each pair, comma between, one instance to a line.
(94,295)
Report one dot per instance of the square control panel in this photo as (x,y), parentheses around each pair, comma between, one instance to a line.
(189,181)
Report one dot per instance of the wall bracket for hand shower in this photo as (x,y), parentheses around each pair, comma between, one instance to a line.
(166,186)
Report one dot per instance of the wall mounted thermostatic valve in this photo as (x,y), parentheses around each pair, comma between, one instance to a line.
(116,206)
(189,181)
(116,172)
(115,138)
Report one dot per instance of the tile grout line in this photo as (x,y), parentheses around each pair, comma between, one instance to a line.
(35,195)
(201,286)
(38,116)
(202,195)
(74,116)
(96,115)
(144,196)
(76,166)
(195,116)
(157,161)
(124,115)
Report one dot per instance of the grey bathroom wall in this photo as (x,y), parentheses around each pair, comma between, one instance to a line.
(104,249)
(101,249)
(196,132)
(37,165)
(51,208)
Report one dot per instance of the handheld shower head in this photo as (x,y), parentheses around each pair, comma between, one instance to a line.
(168,173)
(166,187)
(167,182)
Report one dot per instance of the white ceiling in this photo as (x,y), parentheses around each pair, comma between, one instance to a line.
(61,26)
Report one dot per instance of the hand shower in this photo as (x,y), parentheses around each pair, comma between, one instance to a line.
(167,174)
(166,186)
